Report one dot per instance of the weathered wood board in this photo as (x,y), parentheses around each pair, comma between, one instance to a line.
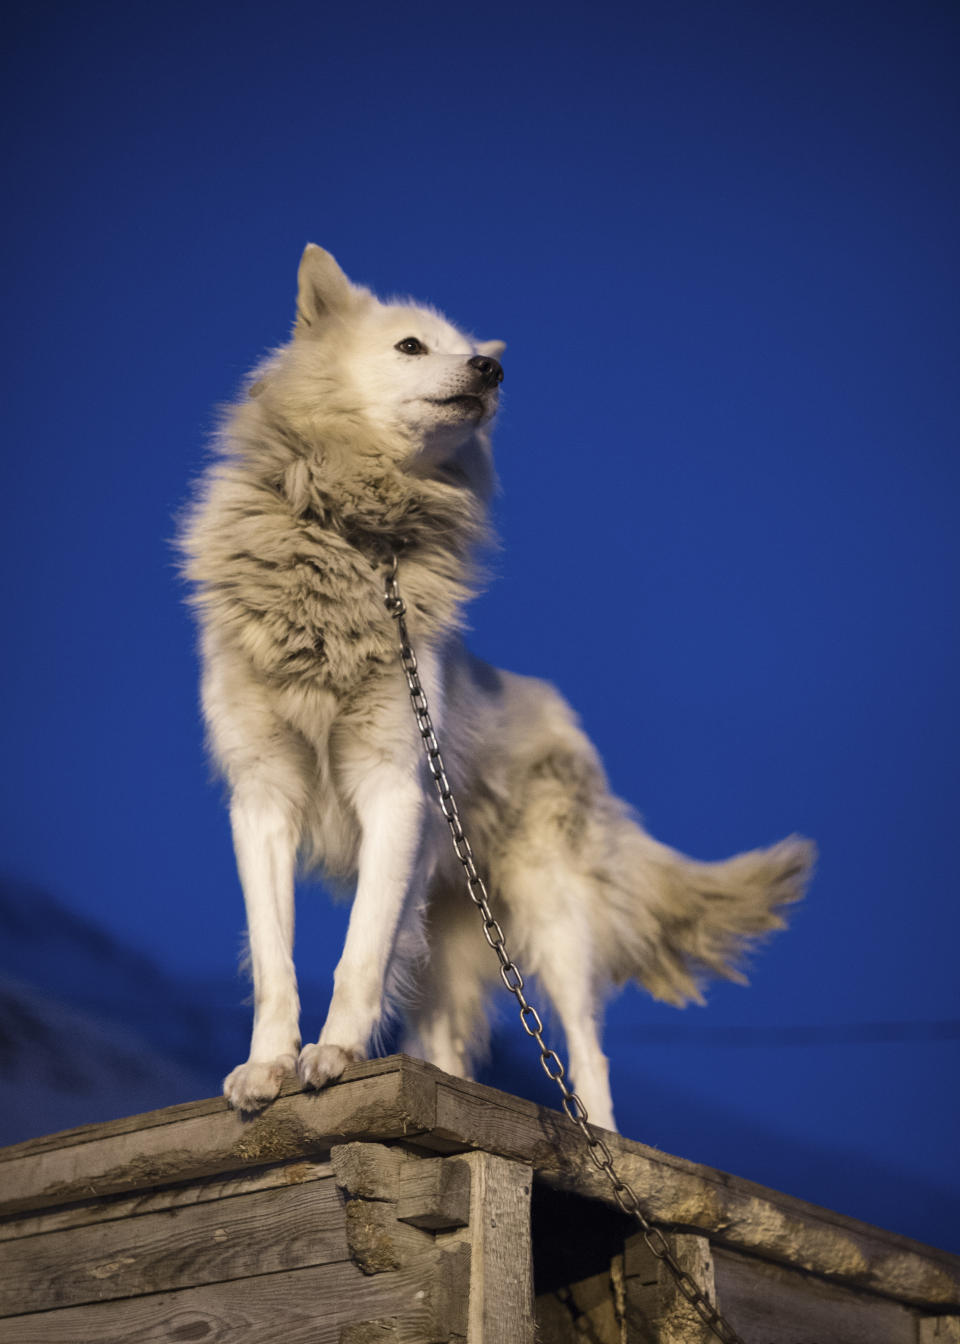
(766,1301)
(498,1237)
(258,1233)
(205,1138)
(395,1206)
(309,1306)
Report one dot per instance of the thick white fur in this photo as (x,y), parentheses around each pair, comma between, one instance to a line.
(345,451)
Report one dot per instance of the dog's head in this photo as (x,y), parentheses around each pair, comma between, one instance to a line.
(403,367)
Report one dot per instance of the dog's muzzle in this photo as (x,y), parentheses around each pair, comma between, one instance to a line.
(490,370)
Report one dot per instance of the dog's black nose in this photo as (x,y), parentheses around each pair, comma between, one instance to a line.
(490,370)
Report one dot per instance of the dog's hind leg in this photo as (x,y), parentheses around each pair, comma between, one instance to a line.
(549,909)
(447,1025)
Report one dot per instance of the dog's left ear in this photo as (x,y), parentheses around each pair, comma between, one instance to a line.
(494,349)
(322,290)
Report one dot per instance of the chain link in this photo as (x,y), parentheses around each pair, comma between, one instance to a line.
(550,1061)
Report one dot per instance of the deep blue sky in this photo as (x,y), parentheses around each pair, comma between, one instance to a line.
(720,241)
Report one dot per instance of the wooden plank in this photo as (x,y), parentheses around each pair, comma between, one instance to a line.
(501,1263)
(556,1323)
(403,1098)
(741,1213)
(781,1306)
(203,1191)
(367,1170)
(585,1310)
(306,1306)
(368,1177)
(435,1193)
(377,1240)
(371,1332)
(939,1330)
(259,1233)
(303,1124)
(450,1291)
(656,1311)
(187,1110)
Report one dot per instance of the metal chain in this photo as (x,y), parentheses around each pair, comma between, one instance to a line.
(550,1061)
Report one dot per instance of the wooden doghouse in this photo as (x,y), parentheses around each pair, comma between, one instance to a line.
(404,1205)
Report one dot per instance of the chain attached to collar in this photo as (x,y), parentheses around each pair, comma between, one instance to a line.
(530,1020)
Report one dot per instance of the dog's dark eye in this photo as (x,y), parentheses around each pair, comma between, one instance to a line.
(411,346)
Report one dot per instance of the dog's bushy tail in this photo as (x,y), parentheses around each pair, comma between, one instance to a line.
(678,921)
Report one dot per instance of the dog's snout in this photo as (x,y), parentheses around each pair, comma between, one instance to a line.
(490,370)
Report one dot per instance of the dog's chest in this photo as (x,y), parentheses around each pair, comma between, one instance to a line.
(320,614)
(301,593)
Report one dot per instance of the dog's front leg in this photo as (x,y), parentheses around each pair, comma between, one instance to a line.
(379,763)
(390,804)
(265,840)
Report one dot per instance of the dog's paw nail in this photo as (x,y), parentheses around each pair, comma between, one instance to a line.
(322,1064)
(252,1086)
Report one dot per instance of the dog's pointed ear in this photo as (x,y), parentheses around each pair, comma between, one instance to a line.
(323,290)
(494,349)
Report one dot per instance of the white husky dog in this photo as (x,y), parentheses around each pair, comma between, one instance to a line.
(363,438)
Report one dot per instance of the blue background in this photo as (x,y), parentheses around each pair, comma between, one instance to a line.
(720,241)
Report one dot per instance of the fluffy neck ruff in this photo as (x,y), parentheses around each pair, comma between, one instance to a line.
(374,488)
(291,525)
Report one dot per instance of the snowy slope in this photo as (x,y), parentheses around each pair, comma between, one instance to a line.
(60,1068)
(91,1030)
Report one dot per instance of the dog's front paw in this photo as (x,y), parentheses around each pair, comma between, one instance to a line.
(253,1085)
(322,1064)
